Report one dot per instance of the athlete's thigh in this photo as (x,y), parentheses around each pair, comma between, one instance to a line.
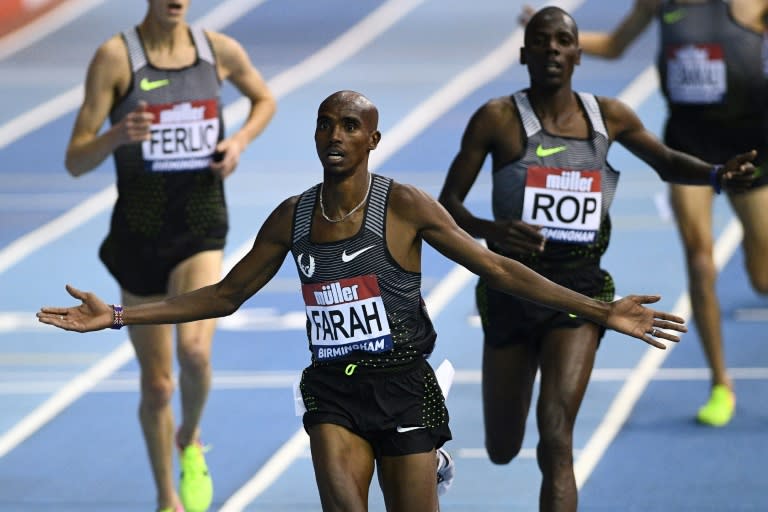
(508,375)
(692,206)
(566,361)
(344,464)
(152,343)
(201,269)
(409,482)
(752,210)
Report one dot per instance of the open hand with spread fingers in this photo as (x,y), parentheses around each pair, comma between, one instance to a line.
(92,314)
(629,316)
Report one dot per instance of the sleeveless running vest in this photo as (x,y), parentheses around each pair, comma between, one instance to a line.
(361,306)
(165,186)
(563,184)
(710,66)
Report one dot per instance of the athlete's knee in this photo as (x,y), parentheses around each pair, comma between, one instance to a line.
(194,357)
(555,434)
(555,446)
(554,451)
(156,391)
(759,281)
(701,266)
(504,450)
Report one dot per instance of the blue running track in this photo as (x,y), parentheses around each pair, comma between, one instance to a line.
(69,435)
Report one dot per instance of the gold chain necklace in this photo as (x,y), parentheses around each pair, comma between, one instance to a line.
(350,212)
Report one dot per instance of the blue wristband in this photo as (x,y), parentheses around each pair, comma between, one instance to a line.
(714,179)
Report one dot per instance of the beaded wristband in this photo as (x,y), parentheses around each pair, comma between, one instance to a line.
(714,179)
(117,316)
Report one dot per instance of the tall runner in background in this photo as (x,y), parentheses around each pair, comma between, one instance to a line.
(713,65)
(159,83)
(552,190)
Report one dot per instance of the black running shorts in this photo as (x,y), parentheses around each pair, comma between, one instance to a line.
(144,268)
(716,142)
(509,320)
(399,411)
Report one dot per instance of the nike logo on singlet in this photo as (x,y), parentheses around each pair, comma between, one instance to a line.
(151,85)
(673,16)
(543,152)
(346,258)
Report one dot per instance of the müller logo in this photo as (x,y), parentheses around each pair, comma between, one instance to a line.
(340,294)
(570,180)
(182,112)
(334,293)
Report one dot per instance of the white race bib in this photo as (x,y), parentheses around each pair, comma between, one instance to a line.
(696,74)
(567,204)
(346,315)
(183,136)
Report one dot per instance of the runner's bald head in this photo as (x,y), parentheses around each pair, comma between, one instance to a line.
(355,101)
(549,15)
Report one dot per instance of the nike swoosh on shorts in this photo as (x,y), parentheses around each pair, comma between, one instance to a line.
(403,430)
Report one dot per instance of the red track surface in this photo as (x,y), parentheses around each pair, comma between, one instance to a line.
(14,14)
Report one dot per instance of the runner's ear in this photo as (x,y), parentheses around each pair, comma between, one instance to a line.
(374,142)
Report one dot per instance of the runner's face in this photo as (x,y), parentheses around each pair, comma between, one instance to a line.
(551,50)
(344,135)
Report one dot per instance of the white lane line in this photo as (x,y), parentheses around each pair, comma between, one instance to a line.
(308,68)
(41,115)
(44,382)
(73,390)
(622,374)
(226,13)
(42,359)
(57,228)
(480,453)
(403,132)
(245,319)
(751,315)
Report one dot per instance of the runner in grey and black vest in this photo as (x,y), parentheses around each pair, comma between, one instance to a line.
(361,305)
(165,186)
(564,185)
(710,66)
(714,76)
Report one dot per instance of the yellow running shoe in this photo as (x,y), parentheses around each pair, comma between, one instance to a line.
(179,508)
(195,485)
(718,410)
